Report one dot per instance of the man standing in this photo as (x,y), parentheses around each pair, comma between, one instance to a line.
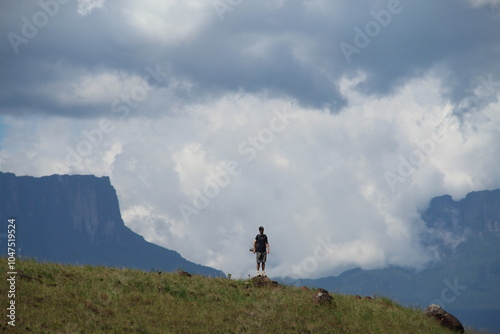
(261,248)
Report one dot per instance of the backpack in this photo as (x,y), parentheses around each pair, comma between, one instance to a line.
(260,244)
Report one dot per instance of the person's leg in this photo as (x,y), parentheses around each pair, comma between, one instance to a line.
(264,258)
(258,263)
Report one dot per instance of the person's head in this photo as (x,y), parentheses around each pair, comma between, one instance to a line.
(261,229)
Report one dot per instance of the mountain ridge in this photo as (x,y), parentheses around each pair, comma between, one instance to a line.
(76,219)
(465,279)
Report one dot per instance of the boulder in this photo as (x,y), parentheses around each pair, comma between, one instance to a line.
(323,297)
(261,281)
(444,318)
(184,273)
(365,297)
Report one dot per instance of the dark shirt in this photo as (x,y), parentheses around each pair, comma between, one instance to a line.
(260,243)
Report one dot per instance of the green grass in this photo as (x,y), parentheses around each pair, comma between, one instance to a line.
(55,298)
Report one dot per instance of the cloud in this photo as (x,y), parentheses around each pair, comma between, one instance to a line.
(210,127)
(85,7)
(479,3)
(291,50)
(318,186)
(167,22)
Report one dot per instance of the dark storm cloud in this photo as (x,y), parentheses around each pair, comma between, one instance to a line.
(445,34)
(293,50)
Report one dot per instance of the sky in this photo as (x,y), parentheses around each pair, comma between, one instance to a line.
(330,123)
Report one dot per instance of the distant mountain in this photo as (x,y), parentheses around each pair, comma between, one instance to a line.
(76,220)
(466,279)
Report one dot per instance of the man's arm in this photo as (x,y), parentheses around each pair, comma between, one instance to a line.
(268,249)
(254,245)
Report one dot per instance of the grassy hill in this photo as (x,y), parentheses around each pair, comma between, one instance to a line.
(55,298)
